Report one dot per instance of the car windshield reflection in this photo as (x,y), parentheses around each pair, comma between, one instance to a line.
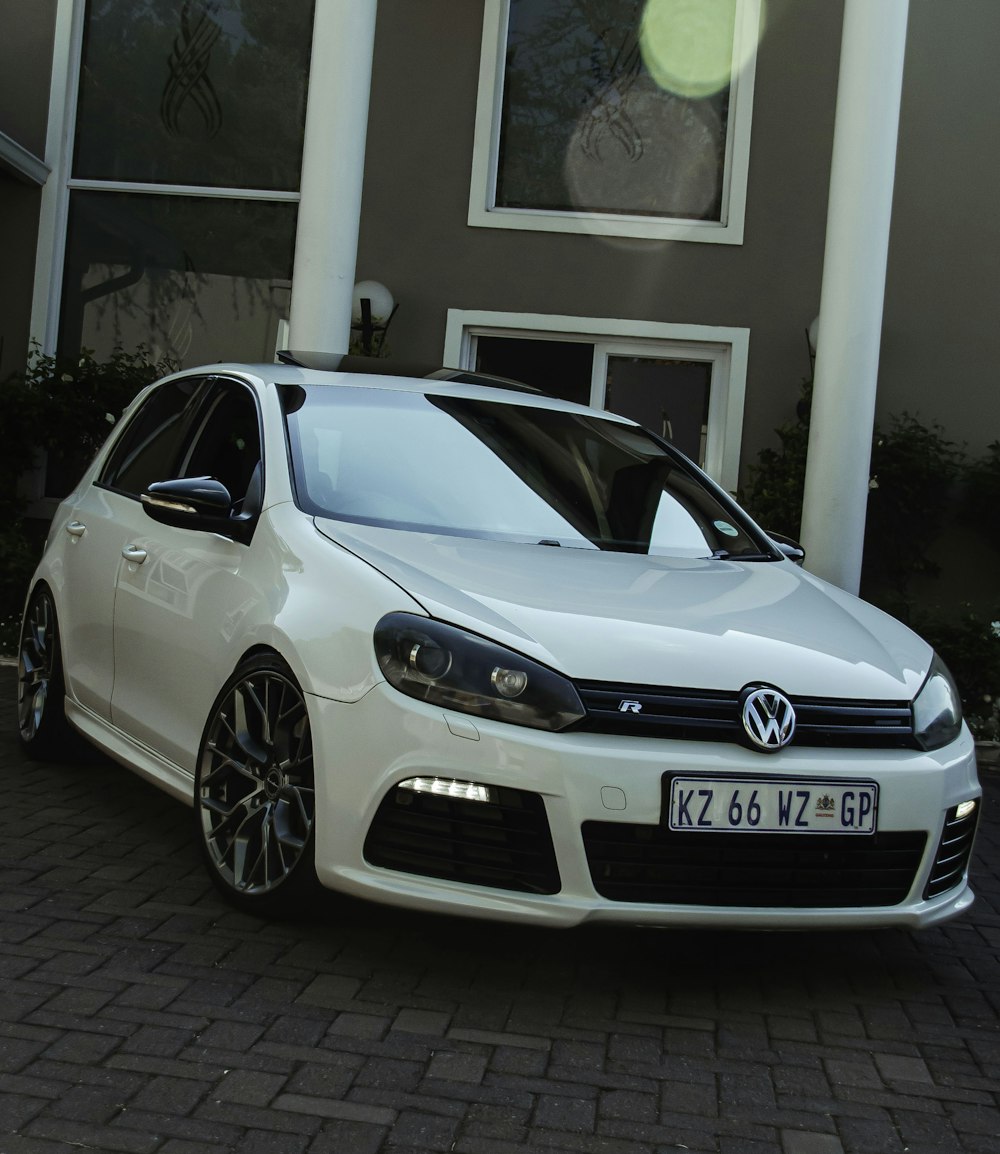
(472,467)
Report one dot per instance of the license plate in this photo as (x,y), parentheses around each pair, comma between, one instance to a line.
(767,805)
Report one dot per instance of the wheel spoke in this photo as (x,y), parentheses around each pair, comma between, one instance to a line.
(256,796)
(35,662)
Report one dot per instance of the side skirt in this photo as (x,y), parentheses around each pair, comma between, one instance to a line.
(133,755)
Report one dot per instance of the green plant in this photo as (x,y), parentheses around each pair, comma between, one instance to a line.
(970,646)
(776,483)
(59,409)
(914,470)
(982,492)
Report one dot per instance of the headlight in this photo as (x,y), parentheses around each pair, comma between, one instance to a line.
(937,709)
(446,666)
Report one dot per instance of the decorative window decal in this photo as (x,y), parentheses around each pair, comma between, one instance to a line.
(620,117)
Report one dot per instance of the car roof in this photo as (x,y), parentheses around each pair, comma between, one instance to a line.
(379,373)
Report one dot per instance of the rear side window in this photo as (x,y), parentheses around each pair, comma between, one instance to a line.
(150,447)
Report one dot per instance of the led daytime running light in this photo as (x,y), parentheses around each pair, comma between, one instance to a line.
(447,787)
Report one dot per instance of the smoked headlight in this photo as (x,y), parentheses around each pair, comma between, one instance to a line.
(447,666)
(937,709)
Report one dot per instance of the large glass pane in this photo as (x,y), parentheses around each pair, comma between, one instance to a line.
(596,118)
(195,279)
(194,92)
(669,396)
(560,368)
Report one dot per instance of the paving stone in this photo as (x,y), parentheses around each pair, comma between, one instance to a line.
(139,1013)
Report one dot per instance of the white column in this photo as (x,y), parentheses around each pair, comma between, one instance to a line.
(326,242)
(853,290)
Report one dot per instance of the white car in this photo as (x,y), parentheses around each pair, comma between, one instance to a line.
(459,646)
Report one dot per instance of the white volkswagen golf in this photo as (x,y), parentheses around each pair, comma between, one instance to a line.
(459,646)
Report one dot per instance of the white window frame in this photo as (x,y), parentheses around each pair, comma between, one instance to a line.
(484,212)
(726,349)
(50,254)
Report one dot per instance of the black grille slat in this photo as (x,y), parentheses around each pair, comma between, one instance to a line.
(505,844)
(953,853)
(638,863)
(711,715)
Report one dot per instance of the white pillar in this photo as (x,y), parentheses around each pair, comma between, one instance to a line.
(333,161)
(853,290)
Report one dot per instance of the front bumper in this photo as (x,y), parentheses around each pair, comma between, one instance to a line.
(578,784)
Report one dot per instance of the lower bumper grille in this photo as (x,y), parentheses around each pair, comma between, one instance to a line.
(954,850)
(505,844)
(643,863)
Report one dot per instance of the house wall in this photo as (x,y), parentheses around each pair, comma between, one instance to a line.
(414,235)
(26,34)
(941,337)
(941,343)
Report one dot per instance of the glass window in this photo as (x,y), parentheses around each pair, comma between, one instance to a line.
(227,444)
(481,468)
(196,280)
(201,92)
(586,127)
(618,117)
(150,446)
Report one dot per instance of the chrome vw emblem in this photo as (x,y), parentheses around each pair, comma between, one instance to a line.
(768,718)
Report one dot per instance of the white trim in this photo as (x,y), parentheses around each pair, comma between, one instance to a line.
(51,249)
(151,189)
(484,213)
(726,347)
(22,161)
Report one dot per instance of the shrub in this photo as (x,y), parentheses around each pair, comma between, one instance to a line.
(63,407)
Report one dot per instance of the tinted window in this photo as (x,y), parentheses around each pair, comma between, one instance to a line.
(151,446)
(227,444)
(484,468)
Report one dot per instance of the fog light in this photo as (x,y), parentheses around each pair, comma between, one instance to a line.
(509,682)
(446,787)
(965,808)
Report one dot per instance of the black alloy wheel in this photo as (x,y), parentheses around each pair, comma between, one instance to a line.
(254,790)
(45,734)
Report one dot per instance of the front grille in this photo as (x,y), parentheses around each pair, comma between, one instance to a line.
(708,715)
(649,863)
(505,844)
(954,850)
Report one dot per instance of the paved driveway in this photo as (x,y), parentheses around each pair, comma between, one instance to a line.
(139,1013)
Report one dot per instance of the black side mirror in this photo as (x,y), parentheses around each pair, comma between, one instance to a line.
(195,503)
(790,548)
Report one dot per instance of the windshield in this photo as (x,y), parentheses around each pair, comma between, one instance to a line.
(489,468)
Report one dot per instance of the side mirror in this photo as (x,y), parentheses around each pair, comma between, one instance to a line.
(194,503)
(790,548)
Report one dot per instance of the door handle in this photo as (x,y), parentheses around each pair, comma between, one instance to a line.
(76,528)
(134,553)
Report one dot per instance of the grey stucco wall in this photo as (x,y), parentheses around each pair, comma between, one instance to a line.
(940,340)
(26,30)
(941,330)
(415,237)
(26,34)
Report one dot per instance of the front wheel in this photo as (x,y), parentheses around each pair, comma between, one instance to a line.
(44,731)
(254,790)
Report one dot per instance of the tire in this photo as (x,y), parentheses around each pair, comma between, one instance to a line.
(254,791)
(45,733)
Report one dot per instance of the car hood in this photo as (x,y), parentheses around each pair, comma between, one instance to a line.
(633,619)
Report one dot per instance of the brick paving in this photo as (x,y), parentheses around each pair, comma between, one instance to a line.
(139,1013)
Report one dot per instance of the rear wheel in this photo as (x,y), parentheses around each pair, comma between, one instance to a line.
(45,733)
(254,790)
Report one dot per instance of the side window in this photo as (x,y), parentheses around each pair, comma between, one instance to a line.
(149,448)
(227,442)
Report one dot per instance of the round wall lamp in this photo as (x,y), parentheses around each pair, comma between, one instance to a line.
(372,310)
